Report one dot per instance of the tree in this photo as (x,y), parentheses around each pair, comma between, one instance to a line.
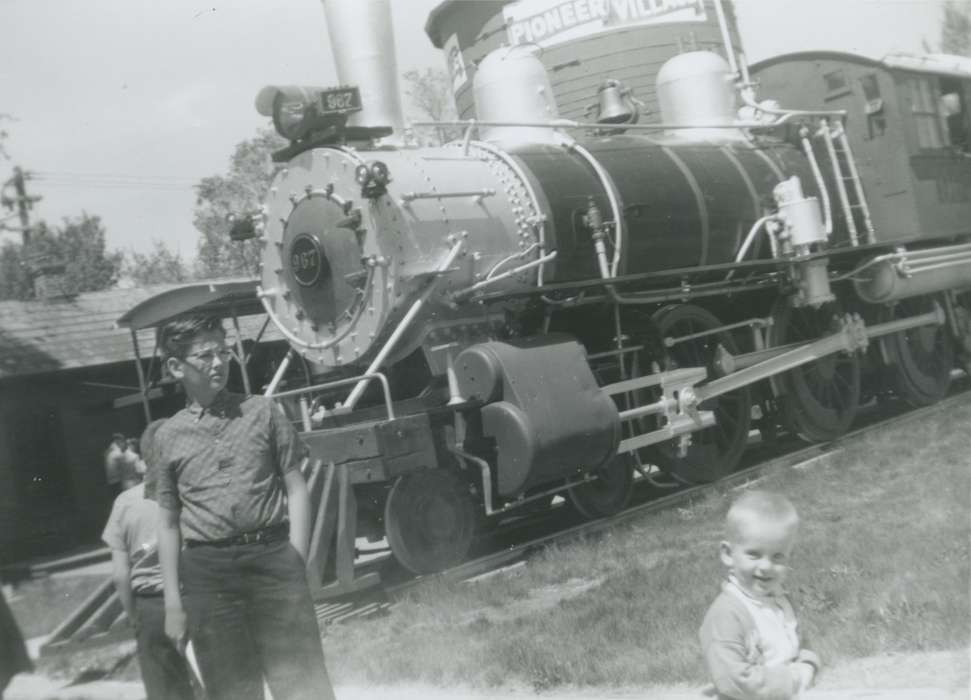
(79,243)
(89,265)
(160,266)
(238,193)
(956,27)
(431,94)
(14,279)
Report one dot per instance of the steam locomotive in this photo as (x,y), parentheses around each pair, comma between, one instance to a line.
(545,306)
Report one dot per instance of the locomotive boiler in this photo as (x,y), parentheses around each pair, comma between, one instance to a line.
(546,307)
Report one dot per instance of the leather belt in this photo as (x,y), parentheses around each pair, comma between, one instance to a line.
(265,535)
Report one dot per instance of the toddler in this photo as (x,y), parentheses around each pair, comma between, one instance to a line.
(749,636)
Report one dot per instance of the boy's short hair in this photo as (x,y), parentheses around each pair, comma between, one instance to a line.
(176,336)
(762,505)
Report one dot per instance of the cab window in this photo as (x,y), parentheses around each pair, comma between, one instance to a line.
(876,118)
(924,105)
(954,113)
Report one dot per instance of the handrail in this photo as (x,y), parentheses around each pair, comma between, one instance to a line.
(457,241)
(367,377)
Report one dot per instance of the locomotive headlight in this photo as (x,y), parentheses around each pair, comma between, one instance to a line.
(289,106)
(289,117)
(298,111)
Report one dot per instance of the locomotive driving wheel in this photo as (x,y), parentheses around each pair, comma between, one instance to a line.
(715,451)
(429,520)
(608,493)
(819,400)
(918,361)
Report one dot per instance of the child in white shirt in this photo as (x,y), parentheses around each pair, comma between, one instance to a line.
(749,636)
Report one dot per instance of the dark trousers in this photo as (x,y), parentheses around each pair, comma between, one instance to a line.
(164,670)
(13,653)
(250,618)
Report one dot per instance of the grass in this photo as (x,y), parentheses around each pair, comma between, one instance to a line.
(882,565)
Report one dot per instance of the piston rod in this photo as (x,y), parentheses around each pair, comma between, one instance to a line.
(847,339)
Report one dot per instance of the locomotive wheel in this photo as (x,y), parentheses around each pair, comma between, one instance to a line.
(817,401)
(715,451)
(609,493)
(919,361)
(429,520)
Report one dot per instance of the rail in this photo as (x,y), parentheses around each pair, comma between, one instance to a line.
(366,378)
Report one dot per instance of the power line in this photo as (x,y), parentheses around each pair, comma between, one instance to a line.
(79,180)
(115,184)
(99,175)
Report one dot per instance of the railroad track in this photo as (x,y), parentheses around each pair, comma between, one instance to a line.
(96,621)
(379,600)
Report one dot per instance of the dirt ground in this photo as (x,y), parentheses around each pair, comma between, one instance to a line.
(923,676)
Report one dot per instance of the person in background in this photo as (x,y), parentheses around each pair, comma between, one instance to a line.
(230,489)
(114,462)
(749,636)
(134,469)
(131,533)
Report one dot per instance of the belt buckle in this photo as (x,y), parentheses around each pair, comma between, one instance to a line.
(252,537)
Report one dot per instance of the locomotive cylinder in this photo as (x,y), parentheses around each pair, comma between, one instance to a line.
(544,412)
(883,283)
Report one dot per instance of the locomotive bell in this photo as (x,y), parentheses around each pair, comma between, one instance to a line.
(616,106)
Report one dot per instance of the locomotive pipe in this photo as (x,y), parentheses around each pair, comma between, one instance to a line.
(827,134)
(654,126)
(772,361)
(894,277)
(486,472)
(807,148)
(726,38)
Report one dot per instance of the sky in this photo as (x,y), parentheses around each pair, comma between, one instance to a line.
(121,106)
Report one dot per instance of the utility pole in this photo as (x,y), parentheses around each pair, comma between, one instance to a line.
(20,200)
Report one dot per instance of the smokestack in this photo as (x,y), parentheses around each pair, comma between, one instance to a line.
(362,42)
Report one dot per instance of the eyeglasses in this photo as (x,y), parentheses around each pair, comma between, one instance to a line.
(207,357)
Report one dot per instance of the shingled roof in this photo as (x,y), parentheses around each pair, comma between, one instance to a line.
(48,336)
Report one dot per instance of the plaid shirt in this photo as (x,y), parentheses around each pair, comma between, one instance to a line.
(221,466)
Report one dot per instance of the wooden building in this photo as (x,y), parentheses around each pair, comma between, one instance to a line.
(68,380)
(63,364)
(580,42)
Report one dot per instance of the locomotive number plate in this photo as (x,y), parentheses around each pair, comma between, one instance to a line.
(305,259)
(340,100)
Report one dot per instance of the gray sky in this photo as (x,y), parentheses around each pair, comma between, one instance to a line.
(123,105)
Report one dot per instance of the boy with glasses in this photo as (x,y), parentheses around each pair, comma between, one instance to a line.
(230,490)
